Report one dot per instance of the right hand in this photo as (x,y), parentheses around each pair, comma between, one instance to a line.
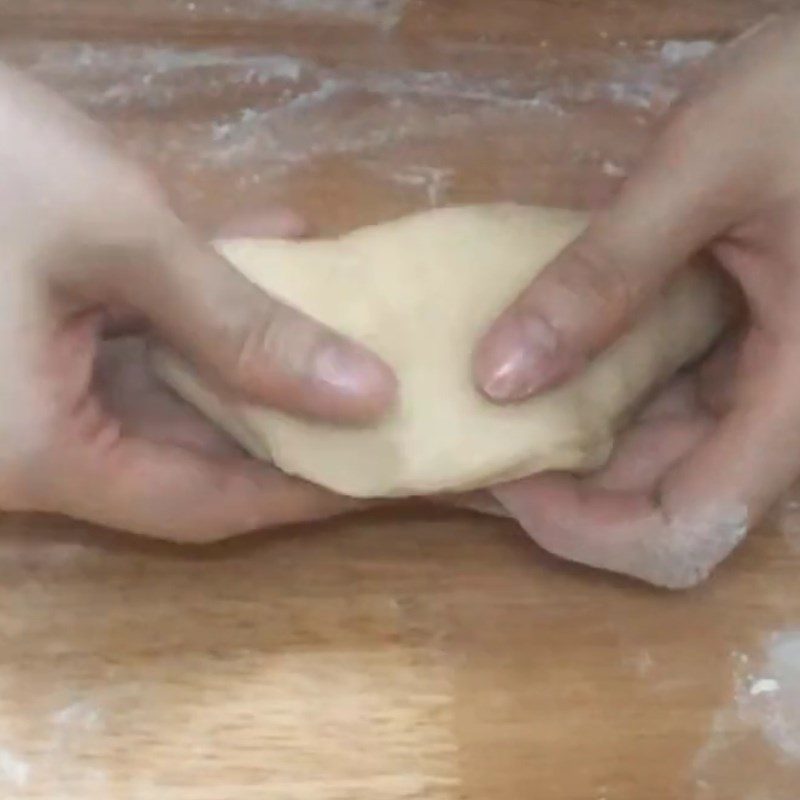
(710,458)
(87,238)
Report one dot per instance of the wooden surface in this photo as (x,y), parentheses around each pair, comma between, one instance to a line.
(411,654)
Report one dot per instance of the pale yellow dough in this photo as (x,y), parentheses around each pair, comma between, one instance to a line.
(419,291)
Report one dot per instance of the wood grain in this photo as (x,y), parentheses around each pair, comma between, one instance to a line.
(410,654)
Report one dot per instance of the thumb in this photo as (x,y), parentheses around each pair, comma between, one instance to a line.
(582,301)
(254,344)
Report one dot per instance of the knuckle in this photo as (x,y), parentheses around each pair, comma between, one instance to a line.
(279,341)
(690,548)
(590,283)
(133,204)
(147,209)
(134,186)
(681,135)
(117,186)
(130,234)
(256,346)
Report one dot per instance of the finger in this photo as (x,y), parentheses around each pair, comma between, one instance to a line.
(608,521)
(174,493)
(716,388)
(621,531)
(688,190)
(281,223)
(753,454)
(673,508)
(255,344)
(652,447)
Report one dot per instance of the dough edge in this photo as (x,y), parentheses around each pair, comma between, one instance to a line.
(586,449)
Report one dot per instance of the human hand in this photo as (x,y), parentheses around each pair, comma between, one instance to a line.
(88,242)
(710,456)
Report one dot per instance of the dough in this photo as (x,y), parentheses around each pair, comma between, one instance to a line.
(419,291)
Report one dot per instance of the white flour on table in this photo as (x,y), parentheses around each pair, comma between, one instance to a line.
(757,734)
(278,112)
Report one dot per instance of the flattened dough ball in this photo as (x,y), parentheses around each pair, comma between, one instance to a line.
(419,291)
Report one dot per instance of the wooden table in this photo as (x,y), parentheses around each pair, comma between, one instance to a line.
(408,654)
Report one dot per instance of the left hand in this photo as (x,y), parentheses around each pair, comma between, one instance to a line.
(194,484)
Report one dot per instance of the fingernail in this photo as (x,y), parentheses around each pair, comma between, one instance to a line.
(352,372)
(521,358)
